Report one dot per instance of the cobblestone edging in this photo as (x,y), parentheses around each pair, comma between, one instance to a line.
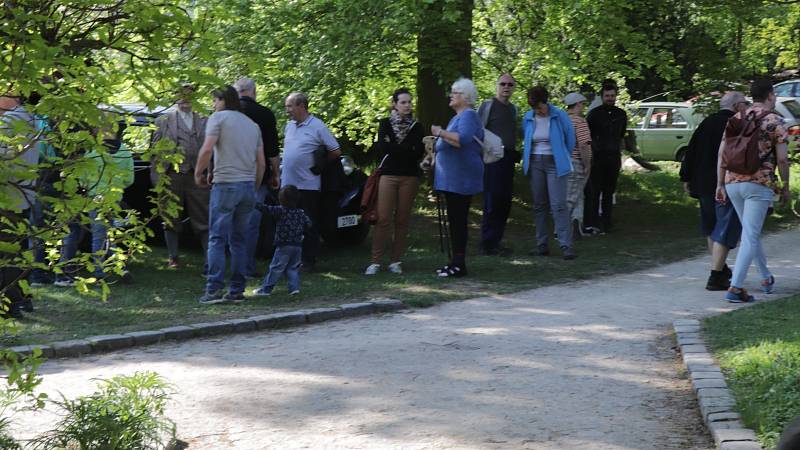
(110,342)
(716,401)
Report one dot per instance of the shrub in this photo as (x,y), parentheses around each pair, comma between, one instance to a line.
(126,413)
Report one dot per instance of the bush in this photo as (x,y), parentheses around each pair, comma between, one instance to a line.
(126,413)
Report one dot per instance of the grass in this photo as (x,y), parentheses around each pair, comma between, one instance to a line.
(759,350)
(656,223)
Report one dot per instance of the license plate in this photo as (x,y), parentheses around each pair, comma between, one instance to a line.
(347,221)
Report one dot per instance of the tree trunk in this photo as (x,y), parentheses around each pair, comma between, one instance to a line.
(444,51)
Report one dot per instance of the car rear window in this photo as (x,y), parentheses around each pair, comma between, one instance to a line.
(793,106)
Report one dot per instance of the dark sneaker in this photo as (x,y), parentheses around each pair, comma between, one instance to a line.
(768,285)
(717,281)
(739,297)
(173,263)
(212,298)
(261,292)
(568,253)
(234,297)
(727,272)
(540,250)
(27,305)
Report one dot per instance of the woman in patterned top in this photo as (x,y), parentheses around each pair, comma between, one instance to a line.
(752,194)
(290,223)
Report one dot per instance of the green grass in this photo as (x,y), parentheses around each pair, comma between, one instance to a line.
(655,224)
(759,350)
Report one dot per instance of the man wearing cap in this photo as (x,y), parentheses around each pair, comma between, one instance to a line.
(499,116)
(581,160)
(718,222)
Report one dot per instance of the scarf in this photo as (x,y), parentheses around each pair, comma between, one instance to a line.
(400,125)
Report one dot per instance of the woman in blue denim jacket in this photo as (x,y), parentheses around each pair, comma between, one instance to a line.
(549,140)
(458,170)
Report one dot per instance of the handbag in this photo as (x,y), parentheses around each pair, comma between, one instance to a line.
(369,200)
(491,147)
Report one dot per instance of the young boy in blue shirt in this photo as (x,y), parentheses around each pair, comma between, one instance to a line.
(290,223)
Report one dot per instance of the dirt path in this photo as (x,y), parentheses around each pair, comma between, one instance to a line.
(579,366)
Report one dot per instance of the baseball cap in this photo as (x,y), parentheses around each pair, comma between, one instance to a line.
(573,98)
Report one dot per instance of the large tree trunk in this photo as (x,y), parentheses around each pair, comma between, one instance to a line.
(444,51)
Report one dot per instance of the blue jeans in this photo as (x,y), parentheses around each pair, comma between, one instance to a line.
(549,192)
(751,201)
(37,220)
(229,211)
(286,260)
(100,244)
(253,231)
(69,248)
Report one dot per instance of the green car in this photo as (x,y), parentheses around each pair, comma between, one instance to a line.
(663,129)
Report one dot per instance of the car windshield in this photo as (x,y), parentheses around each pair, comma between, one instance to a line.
(794,108)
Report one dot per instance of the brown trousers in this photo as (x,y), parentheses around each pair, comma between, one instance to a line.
(194,201)
(395,199)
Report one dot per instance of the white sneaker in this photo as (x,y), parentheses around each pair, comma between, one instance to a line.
(396,267)
(372,269)
(294,292)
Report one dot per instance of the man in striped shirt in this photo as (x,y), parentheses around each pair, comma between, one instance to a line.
(581,160)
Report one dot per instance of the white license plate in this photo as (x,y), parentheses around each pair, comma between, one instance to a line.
(347,221)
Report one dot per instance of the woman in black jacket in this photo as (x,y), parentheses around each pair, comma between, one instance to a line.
(400,149)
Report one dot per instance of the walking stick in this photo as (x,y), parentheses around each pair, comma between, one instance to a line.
(441,205)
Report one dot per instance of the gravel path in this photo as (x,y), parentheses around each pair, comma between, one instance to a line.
(584,365)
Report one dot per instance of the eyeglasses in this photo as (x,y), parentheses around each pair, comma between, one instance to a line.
(456,93)
(506,84)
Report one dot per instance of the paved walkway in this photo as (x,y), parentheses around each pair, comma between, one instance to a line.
(585,365)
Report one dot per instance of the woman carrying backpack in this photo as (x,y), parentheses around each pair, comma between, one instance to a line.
(751,186)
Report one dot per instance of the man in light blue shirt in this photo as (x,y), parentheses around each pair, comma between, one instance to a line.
(303,136)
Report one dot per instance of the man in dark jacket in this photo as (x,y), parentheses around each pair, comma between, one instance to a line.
(718,222)
(608,125)
(265,119)
(499,116)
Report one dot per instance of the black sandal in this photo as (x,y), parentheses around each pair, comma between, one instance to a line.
(452,271)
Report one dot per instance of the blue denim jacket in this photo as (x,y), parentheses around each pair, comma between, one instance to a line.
(562,139)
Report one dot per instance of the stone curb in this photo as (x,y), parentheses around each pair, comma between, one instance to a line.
(708,383)
(110,342)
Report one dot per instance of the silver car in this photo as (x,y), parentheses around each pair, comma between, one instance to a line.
(663,129)
(789,88)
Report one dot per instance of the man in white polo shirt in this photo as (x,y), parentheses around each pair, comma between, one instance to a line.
(303,136)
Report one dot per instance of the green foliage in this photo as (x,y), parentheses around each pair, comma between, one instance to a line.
(127,412)
(74,57)
(759,350)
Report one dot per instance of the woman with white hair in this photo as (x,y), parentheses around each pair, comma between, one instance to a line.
(458,171)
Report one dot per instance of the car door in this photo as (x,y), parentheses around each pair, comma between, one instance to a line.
(667,131)
(636,124)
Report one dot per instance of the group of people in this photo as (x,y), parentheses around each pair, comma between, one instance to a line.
(734,202)
(561,150)
(231,162)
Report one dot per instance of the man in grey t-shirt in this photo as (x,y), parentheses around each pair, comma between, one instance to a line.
(499,116)
(305,134)
(239,166)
